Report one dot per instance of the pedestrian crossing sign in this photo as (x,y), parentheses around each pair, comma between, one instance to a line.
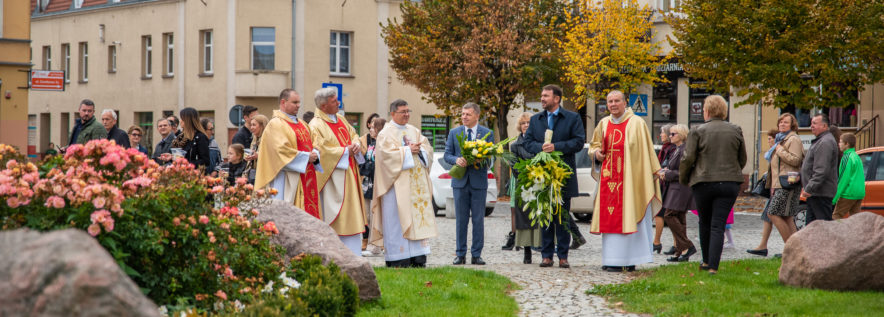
(639,104)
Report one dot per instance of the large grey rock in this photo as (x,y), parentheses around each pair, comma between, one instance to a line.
(64,273)
(842,254)
(300,232)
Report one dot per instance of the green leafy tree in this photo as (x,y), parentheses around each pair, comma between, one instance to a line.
(484,51)
(608,46)
(782,52)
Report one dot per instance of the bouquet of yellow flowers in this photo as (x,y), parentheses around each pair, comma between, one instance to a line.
(479,152)
(539,186)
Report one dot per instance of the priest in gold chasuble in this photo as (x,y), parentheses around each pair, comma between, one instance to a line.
(340,192)
(402,214)
(627,191)
(288,160)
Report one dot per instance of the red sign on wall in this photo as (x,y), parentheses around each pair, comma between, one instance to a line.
(47,80)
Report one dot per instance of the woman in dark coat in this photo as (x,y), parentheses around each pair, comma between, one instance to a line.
(526,235)
(678,198)
(193,139)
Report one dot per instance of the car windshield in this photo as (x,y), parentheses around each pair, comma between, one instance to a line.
(582,160)
(443,163)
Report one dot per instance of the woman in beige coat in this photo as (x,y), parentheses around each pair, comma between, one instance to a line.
(786,158)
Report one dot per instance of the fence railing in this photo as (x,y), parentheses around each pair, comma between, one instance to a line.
(866,134)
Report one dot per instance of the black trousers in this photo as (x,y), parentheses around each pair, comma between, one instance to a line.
(714,202)
(819,208)
(555,237)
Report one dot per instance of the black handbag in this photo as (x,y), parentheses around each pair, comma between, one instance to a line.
(759,188)
(784,180)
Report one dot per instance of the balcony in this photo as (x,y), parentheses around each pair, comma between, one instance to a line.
(260,83)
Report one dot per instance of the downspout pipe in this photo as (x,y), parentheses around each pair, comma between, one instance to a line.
(292,72)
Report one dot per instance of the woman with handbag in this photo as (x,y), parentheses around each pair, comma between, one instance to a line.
(678,198)
(785,184)
(762,188)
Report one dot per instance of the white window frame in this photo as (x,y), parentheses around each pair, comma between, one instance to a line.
(66,58)
(337,57)
(261,43)
(112,58)
(47,55)
(147,54)
(78,4)
(84,62)
(207,41)
(169,54)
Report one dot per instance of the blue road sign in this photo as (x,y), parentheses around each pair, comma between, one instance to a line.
(639,104)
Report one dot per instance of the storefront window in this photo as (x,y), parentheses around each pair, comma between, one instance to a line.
(695,105)
(665,107)
(355,120)
(435,129)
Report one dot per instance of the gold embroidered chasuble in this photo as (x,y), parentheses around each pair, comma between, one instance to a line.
(341,197)
(279,146)
(413,188)
(639,164)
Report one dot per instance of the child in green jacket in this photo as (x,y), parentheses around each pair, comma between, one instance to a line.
(851,180)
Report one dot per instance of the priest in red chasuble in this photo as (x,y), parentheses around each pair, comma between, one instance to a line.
(628,193)
(340,192)
(287,160)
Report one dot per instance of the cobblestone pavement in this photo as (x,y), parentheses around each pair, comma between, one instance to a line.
(562,292)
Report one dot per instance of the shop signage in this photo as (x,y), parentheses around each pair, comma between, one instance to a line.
(52,80)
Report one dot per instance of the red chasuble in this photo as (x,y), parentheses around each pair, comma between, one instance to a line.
(611,181)
(343,134)
(308,179)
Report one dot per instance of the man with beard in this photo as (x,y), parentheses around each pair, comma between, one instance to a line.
(87,128)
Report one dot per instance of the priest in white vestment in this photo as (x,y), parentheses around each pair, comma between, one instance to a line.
(628,191)
(402,214)
(287,160)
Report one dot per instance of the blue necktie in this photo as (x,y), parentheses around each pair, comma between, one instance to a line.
(551,120)
(469,134)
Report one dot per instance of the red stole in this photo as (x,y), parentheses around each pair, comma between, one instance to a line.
(611,181)
(308,178)
(342,132)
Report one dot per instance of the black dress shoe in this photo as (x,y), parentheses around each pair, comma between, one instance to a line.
(671,251)
(658,248)
(477,261)
(509,242)
(762,252)
(687,256)
(459,260)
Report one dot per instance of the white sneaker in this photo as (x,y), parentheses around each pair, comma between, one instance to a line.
(373,251)
(729,245)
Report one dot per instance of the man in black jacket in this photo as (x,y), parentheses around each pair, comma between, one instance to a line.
(244,136)
(109,120)
(819,171)
(568,137)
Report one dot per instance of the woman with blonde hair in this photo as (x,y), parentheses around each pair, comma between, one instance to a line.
(135,134)
(256,126)
(785,159)
(193,139)
(678,198)
(523,233)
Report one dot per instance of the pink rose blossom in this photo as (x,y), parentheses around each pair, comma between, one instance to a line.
(241,181)
(100,216)
(204,220)
(221,294)
(13,202)
(228,272)
(98,202)
(93,229)
(108,224)
(270,227)
(176,221)
(55,202)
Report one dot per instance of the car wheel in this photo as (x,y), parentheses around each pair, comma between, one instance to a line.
(801,217)
(488,211)
(583,217)
(435,208)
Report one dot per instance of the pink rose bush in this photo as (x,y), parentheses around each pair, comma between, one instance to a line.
(182,236)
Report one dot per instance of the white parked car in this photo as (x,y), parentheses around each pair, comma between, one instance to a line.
(442,185)
(582,205)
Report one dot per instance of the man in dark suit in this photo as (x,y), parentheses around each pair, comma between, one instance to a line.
(568,138)
(109,120)
(470,190)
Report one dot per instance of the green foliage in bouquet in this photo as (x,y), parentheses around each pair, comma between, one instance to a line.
(479,153)
(539,186)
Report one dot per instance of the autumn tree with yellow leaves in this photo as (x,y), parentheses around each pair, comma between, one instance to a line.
(607,46)
(484,51)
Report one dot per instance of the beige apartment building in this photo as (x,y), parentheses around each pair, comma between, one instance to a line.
(14,67)
(149,58)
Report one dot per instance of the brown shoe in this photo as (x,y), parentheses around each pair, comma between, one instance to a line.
(563,263)
(546,262)
(364,244)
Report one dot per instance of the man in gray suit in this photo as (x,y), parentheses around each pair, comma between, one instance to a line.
(165,144)
(470,190)
(819,171)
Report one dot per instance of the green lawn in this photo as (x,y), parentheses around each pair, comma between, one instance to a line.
(443,291)
(741,288)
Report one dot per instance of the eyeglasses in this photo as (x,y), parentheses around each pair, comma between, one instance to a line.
(135,134)
(673,134)
(403,112)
